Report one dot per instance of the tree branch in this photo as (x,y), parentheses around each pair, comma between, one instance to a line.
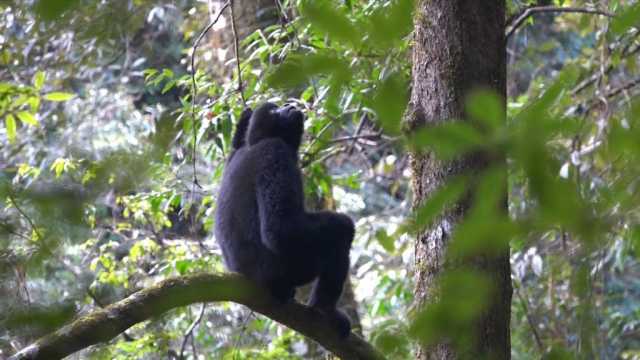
(522,17)
(598,75)
(104,324)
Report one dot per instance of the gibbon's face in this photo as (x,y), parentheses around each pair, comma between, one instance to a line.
(271,121)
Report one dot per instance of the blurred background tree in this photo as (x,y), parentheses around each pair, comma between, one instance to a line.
(98,126)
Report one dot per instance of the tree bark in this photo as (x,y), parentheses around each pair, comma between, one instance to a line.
(104,324)
(459,46)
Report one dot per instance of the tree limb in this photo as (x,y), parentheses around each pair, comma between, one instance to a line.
(520,19)
(104,324)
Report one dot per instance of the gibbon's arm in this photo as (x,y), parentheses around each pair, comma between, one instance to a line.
(278,194)
(239,137)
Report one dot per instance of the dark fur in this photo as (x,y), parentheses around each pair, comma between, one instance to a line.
(261,223)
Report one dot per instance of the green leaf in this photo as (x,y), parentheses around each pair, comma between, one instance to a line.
(38,80)
(149,74)
(628,18)
(449,140)
(330,20)
(10,124)
(34,103)
(53,9)
(168,86)
(463,297)
(487,107)
(487,228)
(439,201)
(385,240)
(183,266)
(28,118)
(58,96)
(390,102)
(5,57)
(298,69)
(389,24)
(58,166)
(539,108)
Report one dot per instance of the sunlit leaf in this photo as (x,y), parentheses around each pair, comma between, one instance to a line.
(183,266)
(58,96)
(60,165)
(38,80)
(385,240)
(34,103)
(27,118)
(5,56)
(168,86)
(10,125)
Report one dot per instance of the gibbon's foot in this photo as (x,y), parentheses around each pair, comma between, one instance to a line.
(338,319)
(284,296)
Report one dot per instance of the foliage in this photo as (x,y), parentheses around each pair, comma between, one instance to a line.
(97,168)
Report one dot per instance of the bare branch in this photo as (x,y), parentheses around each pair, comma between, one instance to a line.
(520,19)
(628,51)
(104,324)
(189,333)
(236,49)
(194,87)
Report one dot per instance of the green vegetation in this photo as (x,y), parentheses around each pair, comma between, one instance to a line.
(109,168)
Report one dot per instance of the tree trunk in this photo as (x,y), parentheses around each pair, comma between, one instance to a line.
(458,46)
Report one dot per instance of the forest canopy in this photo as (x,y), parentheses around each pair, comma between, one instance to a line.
(116,122)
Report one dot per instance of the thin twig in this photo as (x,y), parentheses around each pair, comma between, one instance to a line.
(237,52)
(189,332)
(307,152)
(363,119)
(596,77)
(322,159)
(194,87)
(354,138)
(19,209)
(520,19)
(285,23)
(611,93)
(532,325)
(243,329)
(622,88)
(627,51)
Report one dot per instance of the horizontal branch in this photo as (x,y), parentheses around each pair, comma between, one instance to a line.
(521,18)
(603,98)
(104,324)
(600,74)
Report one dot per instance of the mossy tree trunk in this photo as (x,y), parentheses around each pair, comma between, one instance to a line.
(458,46)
